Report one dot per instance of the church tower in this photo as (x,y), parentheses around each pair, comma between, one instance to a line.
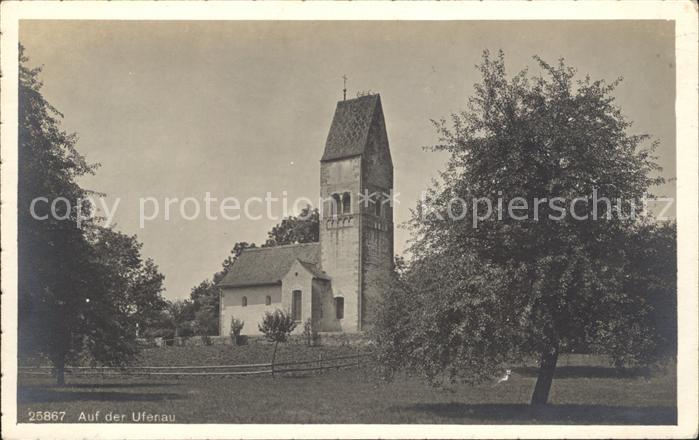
(356,228)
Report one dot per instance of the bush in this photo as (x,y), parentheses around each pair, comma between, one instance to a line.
(277,326)
(186,329)
(309,333)
(236,328)
(159,332)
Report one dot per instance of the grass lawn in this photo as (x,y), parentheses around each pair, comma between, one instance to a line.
(585,391)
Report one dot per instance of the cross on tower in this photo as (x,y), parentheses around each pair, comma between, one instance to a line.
(344,90)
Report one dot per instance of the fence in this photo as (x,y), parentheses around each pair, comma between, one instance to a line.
(319,364)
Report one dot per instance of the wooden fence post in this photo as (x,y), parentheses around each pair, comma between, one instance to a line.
(320,363)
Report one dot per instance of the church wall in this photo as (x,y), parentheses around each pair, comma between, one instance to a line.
(298,278)
(377,267)
(377,231)
(325,307)
(339,237)
(251,315)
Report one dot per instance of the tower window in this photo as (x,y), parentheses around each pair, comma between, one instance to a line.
(268,300)
(377,206)
(346,203)
(245,301)
(339,307)
(335,205)
(296,296)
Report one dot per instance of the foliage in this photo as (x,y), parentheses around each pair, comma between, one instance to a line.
(476,299)
(136,284)
(204,299)
(83,289)
(182,317)
(236,328)
(303,228)
(310,335)
(277,325)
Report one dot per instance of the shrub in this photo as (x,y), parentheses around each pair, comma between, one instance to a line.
(276,327)
(309,333)
(236,328)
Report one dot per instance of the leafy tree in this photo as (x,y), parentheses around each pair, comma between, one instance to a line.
(277,326)
(303,228)
(204,299)
(135,284)
(78,297)
(182,313)
(482,293)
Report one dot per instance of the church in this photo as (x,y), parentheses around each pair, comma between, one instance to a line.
(336,282)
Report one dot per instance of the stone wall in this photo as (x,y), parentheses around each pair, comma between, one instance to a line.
(339,236)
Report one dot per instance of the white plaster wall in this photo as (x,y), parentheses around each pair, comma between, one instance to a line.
(251,315)
(298,278)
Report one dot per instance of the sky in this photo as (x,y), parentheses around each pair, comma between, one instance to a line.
(239,108)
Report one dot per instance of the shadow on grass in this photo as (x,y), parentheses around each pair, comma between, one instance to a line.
(575,372)
(551,414)
(36,394)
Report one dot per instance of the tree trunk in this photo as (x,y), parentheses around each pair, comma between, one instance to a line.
(547,368)
(60,369)
(274,356)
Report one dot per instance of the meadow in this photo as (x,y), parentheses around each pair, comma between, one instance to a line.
(586,390)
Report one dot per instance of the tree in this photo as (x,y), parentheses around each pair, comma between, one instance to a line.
(204,299)
(487,291)
(182,313)
(303,228)
(78,297)
(277,326)
(134,284)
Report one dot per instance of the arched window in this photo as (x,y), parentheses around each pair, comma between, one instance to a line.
(346,203)
(245,301)
(268,300)
(377,205)
(335,205)
(296,298)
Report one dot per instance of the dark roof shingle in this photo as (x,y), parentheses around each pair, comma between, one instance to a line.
(349,132)
(269,265)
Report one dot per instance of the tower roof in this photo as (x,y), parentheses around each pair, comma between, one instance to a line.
(351,127)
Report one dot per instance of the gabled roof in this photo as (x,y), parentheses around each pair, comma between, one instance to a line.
(268,265)
(351,127)
(314,270)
